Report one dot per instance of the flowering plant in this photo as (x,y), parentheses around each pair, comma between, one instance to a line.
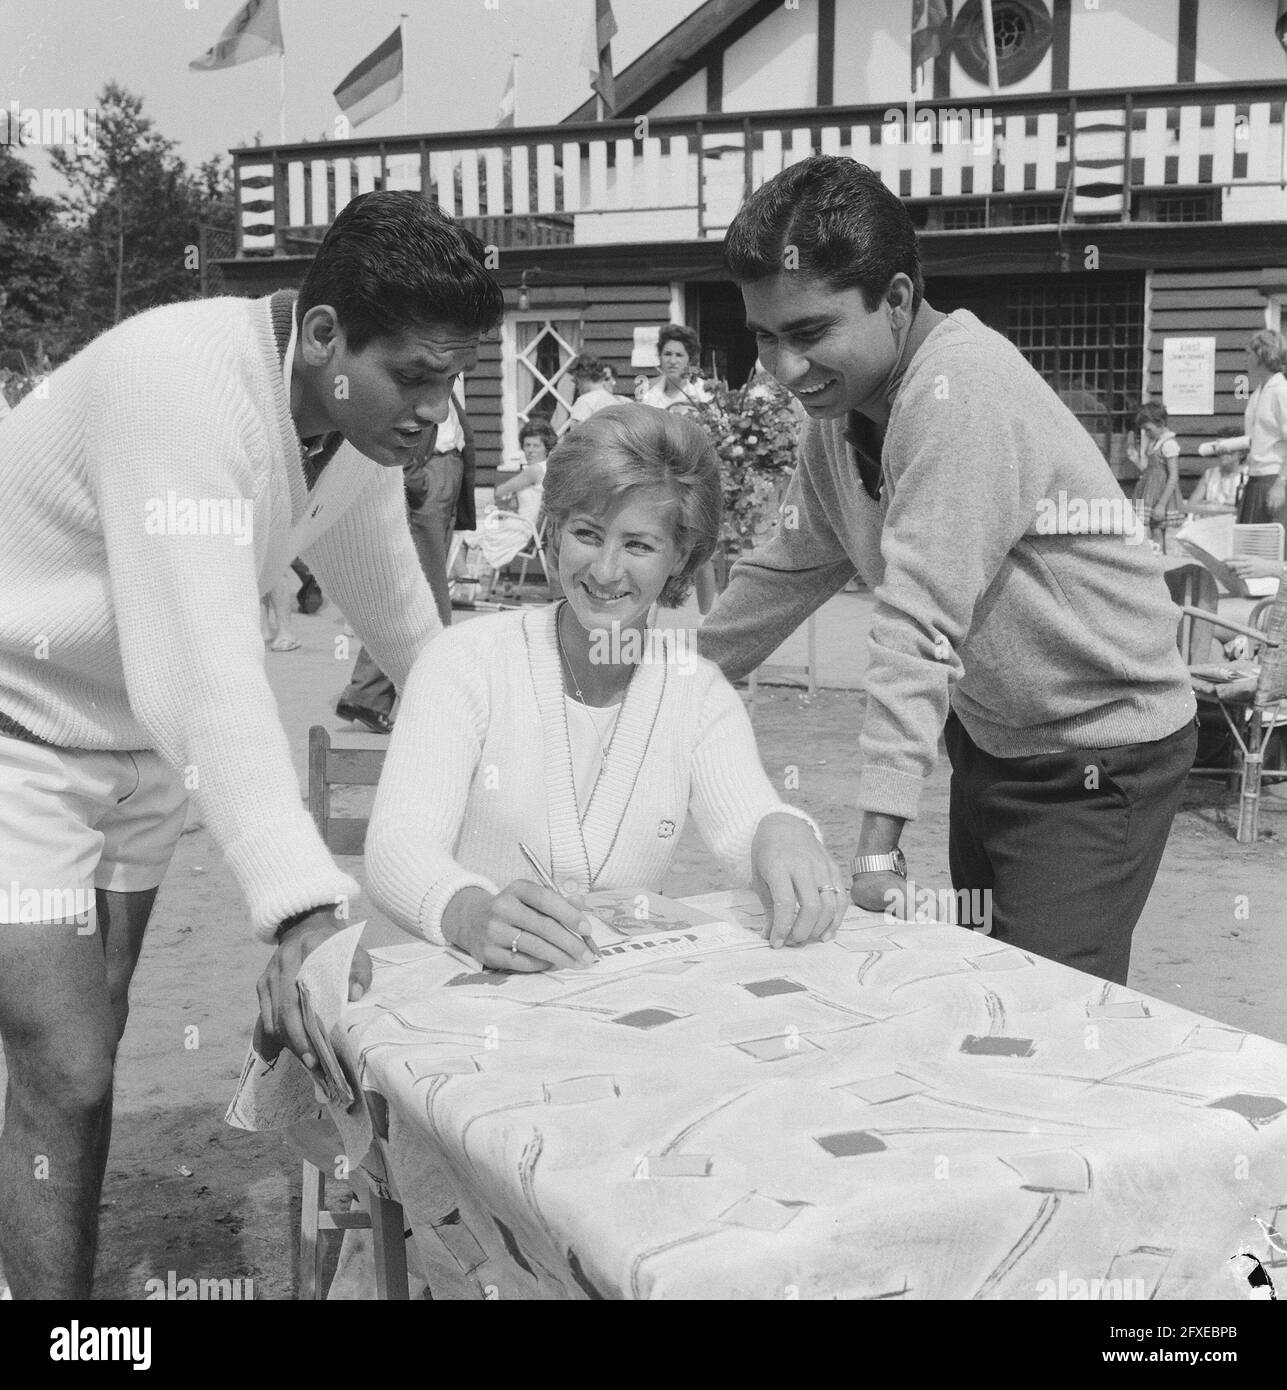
(753,430)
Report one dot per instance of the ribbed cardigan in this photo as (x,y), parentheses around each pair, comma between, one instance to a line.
(480,759)
(120,631)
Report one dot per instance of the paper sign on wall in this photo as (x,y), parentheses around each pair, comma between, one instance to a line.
(644,353)
(1188,375)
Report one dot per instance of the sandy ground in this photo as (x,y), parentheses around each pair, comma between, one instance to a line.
(185,1193)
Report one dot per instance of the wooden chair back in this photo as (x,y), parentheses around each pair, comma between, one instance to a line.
(1193,586)
(348,760)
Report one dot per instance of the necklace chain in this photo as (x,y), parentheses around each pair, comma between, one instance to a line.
(558,637)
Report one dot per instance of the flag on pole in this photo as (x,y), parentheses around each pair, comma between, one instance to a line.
(930,28)
(254,31)
(598,55)
(1280,24)
(506,111)
(375,83)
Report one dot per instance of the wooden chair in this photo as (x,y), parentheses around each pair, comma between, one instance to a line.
(352,760)
(1193,587)
(533,550)
(1253,706)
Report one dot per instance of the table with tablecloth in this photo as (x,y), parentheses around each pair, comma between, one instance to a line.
(911,1111)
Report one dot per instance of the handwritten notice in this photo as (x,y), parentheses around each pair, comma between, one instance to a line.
(643,353)
(1188,375)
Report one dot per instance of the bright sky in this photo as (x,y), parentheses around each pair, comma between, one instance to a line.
(59,53)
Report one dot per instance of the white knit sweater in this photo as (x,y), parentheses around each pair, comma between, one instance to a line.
(120,629)
(480,759)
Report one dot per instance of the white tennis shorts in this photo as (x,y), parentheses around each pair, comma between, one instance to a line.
(72,820)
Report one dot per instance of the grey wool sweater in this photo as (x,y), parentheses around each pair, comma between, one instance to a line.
(1011,578)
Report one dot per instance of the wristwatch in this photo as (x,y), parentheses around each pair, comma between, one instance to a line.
(879,863)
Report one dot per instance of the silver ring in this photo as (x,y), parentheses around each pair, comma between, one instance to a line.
(513,945)
(828,888)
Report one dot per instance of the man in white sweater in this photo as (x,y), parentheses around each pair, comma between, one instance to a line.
(171,472)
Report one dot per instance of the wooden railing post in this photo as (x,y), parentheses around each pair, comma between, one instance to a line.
(701,185)
(1129,116)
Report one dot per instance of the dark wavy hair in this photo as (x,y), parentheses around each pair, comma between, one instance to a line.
(685,337)
(628,446)
(831,218)
(538,427)
(391,262)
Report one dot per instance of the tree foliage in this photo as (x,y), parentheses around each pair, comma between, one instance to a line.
(127,234)
(34,298)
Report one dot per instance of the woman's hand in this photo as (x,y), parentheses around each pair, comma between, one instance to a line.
(1253,567)
(1158,513)
(796,880)
(524,927)
(1208,450)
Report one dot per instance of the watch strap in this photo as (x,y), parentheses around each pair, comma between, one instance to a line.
(878,863)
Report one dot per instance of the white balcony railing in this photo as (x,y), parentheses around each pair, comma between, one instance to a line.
(1086,155)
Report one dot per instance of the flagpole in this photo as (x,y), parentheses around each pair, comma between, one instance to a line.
(990,38)
(281,108)
(402,24)
(515,111)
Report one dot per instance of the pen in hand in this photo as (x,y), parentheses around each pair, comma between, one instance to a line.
(539,870)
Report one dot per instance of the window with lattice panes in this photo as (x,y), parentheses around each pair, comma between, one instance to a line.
(1086,337)
(536,352)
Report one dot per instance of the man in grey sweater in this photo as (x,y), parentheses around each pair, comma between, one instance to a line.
(1016,596)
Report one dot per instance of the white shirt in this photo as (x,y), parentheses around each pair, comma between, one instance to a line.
(1266,428)
(451,437)
(591,403)
(589,734)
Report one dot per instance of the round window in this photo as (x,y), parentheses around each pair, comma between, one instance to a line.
(1021,28)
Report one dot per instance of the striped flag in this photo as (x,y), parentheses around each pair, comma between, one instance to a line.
(375,83)
(930,33)
(254,31)
(506,111)
(598,55)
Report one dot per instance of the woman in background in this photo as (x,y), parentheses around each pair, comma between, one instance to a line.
(510,522)
(1264,437)
(680,352)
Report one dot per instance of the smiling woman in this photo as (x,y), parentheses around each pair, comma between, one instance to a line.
(635,731)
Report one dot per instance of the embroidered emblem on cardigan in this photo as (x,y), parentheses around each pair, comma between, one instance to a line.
(665,830)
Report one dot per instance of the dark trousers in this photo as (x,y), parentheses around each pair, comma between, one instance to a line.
(1254,506)
(1068,843)
(432,490)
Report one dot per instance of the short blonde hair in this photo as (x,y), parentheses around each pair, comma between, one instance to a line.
(1269,349)
(629,446)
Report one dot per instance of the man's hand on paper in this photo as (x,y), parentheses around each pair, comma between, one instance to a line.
(279,1010)
(525,927)
(800,885)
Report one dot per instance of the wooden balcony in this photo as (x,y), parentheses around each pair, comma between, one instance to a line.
(1164,154)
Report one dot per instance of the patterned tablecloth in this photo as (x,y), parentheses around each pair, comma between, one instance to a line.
(911,1111)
